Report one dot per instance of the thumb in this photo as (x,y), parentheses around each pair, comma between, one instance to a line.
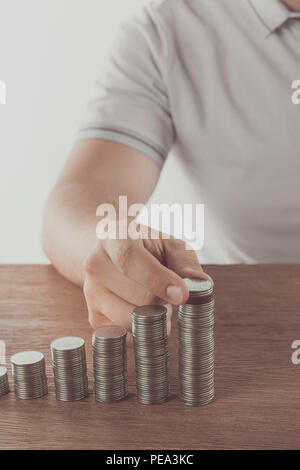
(183,260)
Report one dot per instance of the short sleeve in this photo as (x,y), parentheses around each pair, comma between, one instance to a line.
(130,104)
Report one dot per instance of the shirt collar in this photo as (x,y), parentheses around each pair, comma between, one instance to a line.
(272,13)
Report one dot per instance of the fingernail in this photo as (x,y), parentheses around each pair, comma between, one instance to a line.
(175,294)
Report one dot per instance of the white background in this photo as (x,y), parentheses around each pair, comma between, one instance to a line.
(51,53)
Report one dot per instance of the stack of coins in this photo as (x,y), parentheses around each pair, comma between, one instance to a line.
(110,368)
(28,369)
(4,387)
(69,368)
(149,330)
(196,344)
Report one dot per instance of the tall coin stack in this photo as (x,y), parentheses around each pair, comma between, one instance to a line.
(149,330)
(69,368)
(110,367)
(196,344)
(28,370)
(4,387)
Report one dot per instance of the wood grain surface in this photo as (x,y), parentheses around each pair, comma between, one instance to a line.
(257,401)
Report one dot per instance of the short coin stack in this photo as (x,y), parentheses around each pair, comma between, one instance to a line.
(4,387)
(69,368)
(110,367)
(28,370)
(149,330)
(196,344)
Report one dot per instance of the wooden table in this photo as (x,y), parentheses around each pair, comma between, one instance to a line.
(257,401)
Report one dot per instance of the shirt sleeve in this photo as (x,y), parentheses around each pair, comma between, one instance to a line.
(130,103)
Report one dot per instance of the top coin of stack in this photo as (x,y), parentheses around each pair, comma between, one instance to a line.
(4,387)
(149,330)
(110,368)
(196,344)
(28,369)
(69,368)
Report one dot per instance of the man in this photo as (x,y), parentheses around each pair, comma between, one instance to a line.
(211,81)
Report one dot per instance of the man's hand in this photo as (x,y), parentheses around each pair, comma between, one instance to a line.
(121,274)
(117,275)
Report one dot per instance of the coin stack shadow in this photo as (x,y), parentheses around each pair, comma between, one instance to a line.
(29,373)
(110,363)
(69,368)
(4,387)
(149,330)
(196,344)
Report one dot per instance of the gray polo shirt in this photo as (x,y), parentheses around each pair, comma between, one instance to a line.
(211,81)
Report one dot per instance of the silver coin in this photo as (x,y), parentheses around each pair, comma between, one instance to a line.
(26,358)
(3,372)
(149,311)
(67,343)
(109,333)
(198,285)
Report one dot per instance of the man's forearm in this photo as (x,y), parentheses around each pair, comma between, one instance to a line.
(69,228)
